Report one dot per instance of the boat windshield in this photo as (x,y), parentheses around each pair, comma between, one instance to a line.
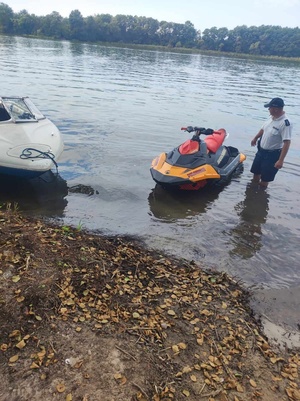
(21,109)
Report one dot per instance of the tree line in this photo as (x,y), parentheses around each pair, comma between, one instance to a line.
(265,40)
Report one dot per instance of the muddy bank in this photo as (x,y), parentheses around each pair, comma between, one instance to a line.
(87,317)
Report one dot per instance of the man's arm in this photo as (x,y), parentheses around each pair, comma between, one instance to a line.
(283,153)
(257,136)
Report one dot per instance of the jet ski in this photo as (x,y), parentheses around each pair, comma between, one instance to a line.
(197,162)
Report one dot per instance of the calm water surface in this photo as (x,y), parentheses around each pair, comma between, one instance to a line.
(118,108)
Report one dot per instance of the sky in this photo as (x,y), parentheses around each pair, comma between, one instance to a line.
(201,13)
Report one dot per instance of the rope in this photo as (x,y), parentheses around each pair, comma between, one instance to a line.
(27,153)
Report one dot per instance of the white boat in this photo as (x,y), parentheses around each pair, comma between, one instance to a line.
(30,144)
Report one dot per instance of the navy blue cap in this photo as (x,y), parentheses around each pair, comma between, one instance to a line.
(276,102)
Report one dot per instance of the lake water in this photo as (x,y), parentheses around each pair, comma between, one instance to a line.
(118,108)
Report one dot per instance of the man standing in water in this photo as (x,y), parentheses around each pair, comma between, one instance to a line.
(273,142)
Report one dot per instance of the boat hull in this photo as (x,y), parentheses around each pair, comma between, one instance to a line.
(21,173)
(30,144)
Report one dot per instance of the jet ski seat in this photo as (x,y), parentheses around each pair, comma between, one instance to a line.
(215,140)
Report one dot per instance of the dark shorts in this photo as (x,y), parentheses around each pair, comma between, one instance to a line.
(263,164)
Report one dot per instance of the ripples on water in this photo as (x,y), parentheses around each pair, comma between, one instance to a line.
(118,108)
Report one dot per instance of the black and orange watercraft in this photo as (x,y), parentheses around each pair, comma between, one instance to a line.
(197,162)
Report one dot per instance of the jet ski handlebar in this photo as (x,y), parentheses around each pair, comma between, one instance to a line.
(198,130)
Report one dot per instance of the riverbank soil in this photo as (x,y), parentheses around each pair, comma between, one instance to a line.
(90,318)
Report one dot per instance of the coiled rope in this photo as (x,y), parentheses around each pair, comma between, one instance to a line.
(28,153)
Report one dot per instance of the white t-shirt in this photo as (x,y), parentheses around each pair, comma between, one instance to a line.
(275,132)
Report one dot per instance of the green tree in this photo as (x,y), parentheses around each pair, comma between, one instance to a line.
(53,25)
(165,34)
(6,18)
(77,25)
(90,29)
(119,28)
(210,39)
(103,27)
(25,23)
(146,31)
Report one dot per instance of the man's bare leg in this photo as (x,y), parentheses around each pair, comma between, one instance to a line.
(256,178)
(263,184)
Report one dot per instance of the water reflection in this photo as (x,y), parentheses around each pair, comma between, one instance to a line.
(253,212)
(77,49)
(44,195)
(172,206)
